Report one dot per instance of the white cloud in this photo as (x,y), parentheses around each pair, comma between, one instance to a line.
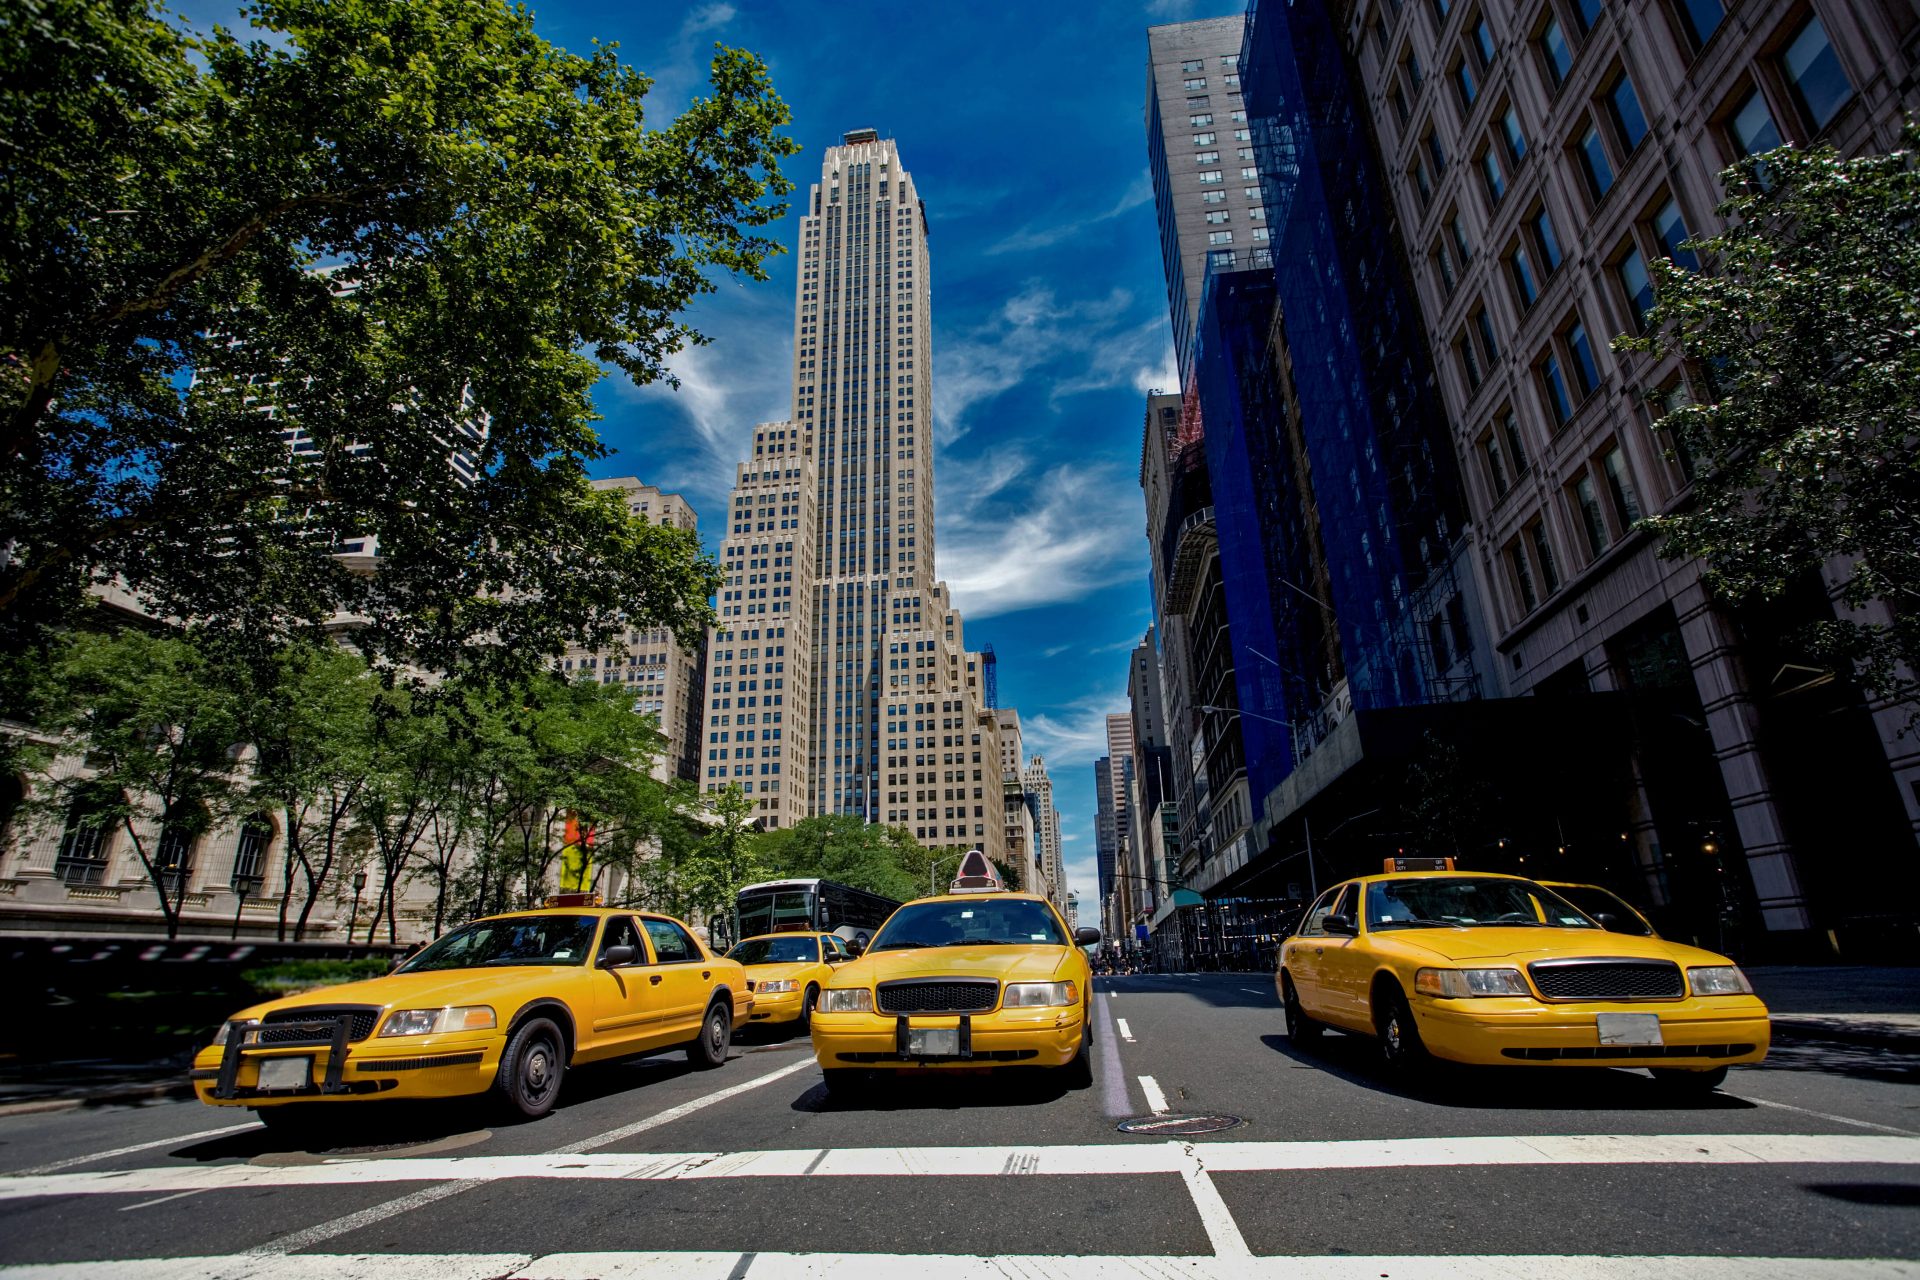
(1040,235)
(682,70)
(1096,339)
(1059,536)
(1074,735)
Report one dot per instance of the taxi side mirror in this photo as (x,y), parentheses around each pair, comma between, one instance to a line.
(614,957)
(1340,924)
(1607,920)
(1086,936)
(856,948)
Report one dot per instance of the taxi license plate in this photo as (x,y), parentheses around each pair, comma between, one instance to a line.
(1630,1028)
(286,1073)
(933,1042)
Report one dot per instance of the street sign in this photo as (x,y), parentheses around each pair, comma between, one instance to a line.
(1140,933)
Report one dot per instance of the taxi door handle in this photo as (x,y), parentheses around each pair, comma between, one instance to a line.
(654,979)
(1319,951)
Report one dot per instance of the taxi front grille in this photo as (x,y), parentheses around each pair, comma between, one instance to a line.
(300,1026)
(937,995)
(1607,979)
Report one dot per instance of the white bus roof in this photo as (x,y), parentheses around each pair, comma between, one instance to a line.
(780,884)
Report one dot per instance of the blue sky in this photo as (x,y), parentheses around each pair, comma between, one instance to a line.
(1022,125)
(1023,128)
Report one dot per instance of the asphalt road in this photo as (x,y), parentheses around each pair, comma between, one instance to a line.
(651,1169)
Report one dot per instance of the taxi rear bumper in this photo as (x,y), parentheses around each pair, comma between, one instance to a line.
(1025,1037)
(1700,1033)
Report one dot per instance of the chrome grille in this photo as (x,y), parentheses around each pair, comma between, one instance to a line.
(295,1026)
(1607,979)
(938,995)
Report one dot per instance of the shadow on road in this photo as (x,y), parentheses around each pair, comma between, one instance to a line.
(1355,1059)
(1218,990)
(944,1090)
(1838,1058)
(1903,1195)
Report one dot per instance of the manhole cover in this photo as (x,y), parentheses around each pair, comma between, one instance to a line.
(1178,1126)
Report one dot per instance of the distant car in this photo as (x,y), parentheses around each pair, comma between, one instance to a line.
(976,977)
(503,1005)
(1497,970)
(1607,908)
(785,972)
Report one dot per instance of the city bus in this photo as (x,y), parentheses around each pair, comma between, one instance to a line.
(809,906)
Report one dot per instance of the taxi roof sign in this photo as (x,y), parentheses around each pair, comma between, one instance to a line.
(976,875)
(575,900)
(1419,864)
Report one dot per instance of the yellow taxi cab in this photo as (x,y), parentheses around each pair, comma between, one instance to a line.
(503,1006)
(976,977)
(785,972)
(1489,969)
(1604,907)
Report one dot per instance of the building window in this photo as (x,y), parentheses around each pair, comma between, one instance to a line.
(1469,362)
(1441,8)
(1483,330)
(1197,82)
(1422,180)
(1555,54)
(1443,267)
(250,855)
(1492,175)
(1210,176)
(1461,245)
(1699,19)
(1523,578)
(1670,230)
(1249,175)
(1813,74)
(1436,153)
(1193,66)
(1586,371)
(1593,521)
(1623,108)
(1197,104)
(1213,197)
(1219,237)
(1553,386)
(1206,157)
(1464,87)
(1516,446)
(1593,163)
(1399,98)
(82,857)
(1200,121)
(1510,133)
(1496,461)
(1626,501)
(1482,40)
(1750,128)
(1544,241)
(1217,216)
(1631,271)
(1543,555)
(1203,139)
(1520,269)
(1587,13)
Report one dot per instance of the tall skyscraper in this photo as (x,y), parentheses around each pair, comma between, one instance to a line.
(1046,829)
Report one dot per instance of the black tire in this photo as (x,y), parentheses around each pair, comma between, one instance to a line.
(531,1070)
(807,1002)
(1400,1046)
(1679,1080)
(844,1084)
(1301,1029)
(1079,1073)
(709,1048)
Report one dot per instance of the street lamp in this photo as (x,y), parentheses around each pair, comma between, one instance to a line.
(934,867)
(353,921)
(245,885)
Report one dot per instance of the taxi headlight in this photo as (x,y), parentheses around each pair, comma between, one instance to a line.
(422,1022)
(220,1035)
(846,1000)
(775,986)
(1462,984)
(1037,995)
(1719,980)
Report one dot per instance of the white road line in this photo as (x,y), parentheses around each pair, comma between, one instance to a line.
(116,1152)
(1126,1032)
(855,1266)
(1156,1100)
(320,1233)
(1824,1115)
(1253,991)
(1098,1159)
(1223,1233)
(1111,993)
(148,1204)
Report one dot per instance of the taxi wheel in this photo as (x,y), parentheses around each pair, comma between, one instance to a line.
(1400,1043)
(1079,1072)
(1301,1029)
(806,1007)
(1682,1081)
(531,1068)
(716,1037)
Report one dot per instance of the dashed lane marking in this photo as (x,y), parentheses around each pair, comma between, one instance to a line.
(115,1153)
(810,1266)
(1126,1032)
(1156,1100)
(940,1162)
(1253,991)
(1824,1115)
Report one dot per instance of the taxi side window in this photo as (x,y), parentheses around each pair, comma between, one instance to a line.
(1314,925)
(835,947)
(671,943)
(621,932)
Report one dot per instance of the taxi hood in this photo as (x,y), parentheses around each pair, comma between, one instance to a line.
(1020,963)
(779,969)
(500,987)
(1538,942)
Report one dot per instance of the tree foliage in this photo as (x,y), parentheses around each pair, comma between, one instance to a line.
(1803,341)
(380,228)
(838,846)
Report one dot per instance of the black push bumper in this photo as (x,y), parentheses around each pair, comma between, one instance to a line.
(315,1033)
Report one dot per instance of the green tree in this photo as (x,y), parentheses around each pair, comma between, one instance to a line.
(407,228)
(405,790)
(309,716)
(727,857)
(838,846)
(1803,339)
(158,726)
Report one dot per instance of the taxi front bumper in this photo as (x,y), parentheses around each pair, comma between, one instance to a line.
(1698,1032)
(1043,1037)
(397,1067)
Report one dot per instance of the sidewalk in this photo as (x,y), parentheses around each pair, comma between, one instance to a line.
(1853,1004)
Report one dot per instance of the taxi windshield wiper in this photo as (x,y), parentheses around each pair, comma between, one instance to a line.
(1444,924)
(901,945)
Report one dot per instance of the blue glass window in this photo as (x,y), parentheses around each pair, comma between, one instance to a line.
(1819,85)
(1751,126)
(1554,383)
(1586,373)
(1524,281)
(1629,122)
(1555,52)
(1463,83)
(1699,19)
(1636,284)
(1588,11)
(1546,241)
(1515,139)
(1593,163)
(1671,230)
(1483,41)
(1496,180)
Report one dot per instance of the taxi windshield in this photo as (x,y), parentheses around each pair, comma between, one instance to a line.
(511,941)
(797,949)
(983,922)
(1459,902)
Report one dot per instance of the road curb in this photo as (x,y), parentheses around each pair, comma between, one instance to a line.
(113,1095)
(1862,1032)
